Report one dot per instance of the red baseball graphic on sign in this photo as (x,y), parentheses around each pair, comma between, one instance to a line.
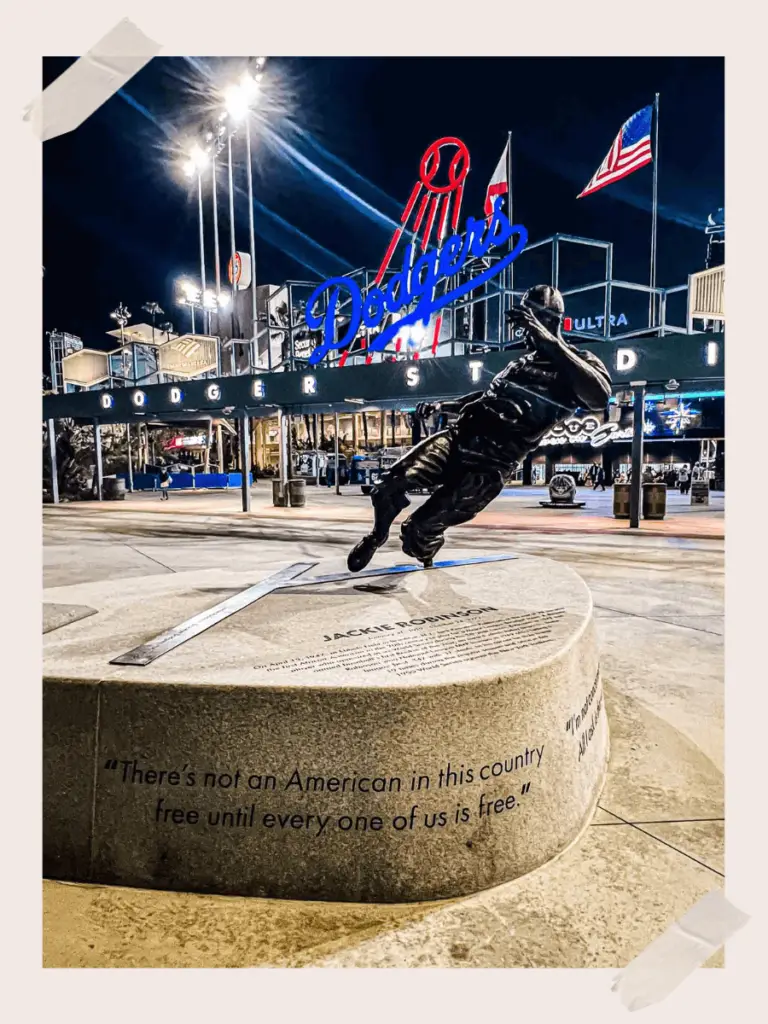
(431,204)
(436,197)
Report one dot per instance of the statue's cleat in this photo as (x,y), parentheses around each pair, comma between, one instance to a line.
(362,553)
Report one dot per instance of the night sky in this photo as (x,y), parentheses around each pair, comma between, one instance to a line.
(120,221)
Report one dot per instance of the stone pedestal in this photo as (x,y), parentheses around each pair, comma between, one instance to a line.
(396,738)
(562,504)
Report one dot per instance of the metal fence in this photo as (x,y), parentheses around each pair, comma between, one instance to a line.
(706,296)
(471,324)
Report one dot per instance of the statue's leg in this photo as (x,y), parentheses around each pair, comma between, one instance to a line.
(456,501)
(423,466)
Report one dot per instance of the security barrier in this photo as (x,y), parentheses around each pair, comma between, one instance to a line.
(186,481)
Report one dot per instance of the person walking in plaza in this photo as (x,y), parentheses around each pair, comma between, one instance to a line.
(165,483)
(599,478)
(684,479)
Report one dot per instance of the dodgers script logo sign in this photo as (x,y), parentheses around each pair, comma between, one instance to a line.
(418,279)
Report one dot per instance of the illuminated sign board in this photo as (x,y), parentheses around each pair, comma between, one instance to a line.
(188,356)
(586,430)
(585,323)
(194,441)
(414,292)
(689,359)
(239,270)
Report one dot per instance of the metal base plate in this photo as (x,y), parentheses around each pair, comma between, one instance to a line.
(284,579)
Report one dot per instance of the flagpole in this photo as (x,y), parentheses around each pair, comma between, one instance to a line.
(654,216)
(510,269)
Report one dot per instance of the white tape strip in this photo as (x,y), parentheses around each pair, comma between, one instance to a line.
(90,81)
(675,954)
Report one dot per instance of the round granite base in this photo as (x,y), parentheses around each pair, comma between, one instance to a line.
(562,504)
(406,737)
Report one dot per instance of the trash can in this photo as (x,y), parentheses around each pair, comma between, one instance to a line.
(621,501)
(113,488)
(297,493)
(278,499)
(700,492)
(654,501)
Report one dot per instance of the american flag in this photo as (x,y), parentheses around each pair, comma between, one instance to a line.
(631,150)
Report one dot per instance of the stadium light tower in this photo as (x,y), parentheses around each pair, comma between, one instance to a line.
(240,99)
(189,295)
(121,316)
(154,310)
(216,137)
(195,165)
(211,301)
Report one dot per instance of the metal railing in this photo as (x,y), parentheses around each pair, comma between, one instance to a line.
(706,296)
(284,339)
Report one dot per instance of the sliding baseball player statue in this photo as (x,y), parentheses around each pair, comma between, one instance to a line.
(466,466)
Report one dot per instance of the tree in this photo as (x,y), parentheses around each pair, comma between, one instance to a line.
(76,457)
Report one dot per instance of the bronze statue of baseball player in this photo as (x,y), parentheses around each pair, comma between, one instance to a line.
(466,465)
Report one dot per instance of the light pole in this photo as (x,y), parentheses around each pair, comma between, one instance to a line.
(212,302)
(252,238)
(121,316)
(198,161)
(154,309)
(251,86)
(233,248)
(167,330)
(190,296)
(216,255)
(215,137)
(202,241)
(239,99)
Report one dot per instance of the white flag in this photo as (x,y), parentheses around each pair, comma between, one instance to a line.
(498,185)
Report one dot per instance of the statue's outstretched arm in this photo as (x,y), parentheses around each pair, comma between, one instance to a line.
(454,407)
(588,377)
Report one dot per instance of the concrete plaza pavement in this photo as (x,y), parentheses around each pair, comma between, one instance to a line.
(653,848)
(517,508)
